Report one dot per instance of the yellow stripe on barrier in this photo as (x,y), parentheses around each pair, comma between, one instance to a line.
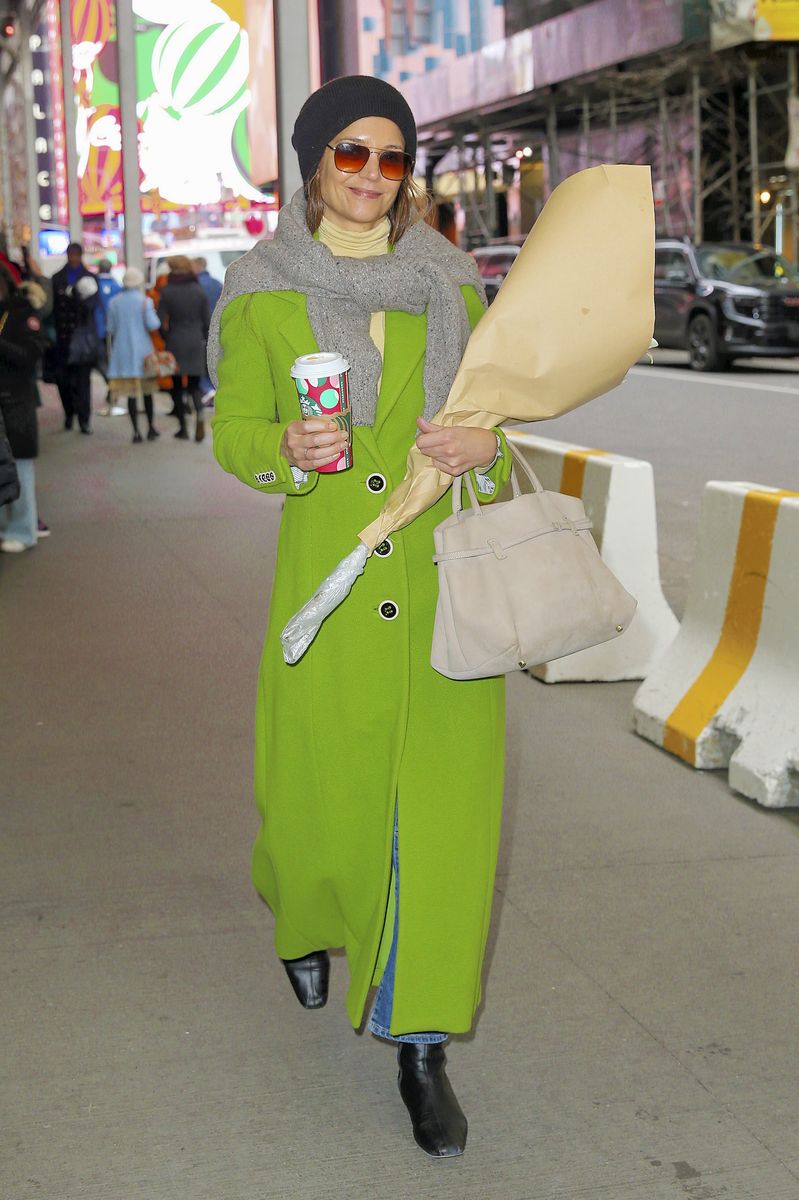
(740,630)
(573,474)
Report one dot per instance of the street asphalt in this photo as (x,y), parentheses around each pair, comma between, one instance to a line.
(638,1037)
(741,424)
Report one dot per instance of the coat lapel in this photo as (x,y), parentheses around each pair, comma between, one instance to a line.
(406,335)
(404,347)
(295,326)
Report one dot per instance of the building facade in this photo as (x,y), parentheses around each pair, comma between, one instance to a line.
(512,97)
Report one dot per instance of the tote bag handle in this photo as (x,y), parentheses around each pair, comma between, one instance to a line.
(517,460)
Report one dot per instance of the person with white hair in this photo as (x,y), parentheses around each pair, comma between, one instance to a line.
(131,319)
(108,287)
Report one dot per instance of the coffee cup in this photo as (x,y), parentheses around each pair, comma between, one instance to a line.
(322,388)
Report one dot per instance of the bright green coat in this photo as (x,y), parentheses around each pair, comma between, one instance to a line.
(363,721)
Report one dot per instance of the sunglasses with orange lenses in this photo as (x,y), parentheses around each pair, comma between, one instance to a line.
(352,157)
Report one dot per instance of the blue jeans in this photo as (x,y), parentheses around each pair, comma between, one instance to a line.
(380,1020)
(19,519)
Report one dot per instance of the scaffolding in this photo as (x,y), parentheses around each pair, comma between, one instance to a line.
(714,127)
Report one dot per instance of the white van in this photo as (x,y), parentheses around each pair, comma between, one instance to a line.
(218,250)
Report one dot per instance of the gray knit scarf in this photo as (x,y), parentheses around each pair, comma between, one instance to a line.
(424,272)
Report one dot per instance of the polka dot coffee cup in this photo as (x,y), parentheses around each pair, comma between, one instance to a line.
(321,382)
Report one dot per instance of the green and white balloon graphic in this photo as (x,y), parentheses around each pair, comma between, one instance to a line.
(200,67)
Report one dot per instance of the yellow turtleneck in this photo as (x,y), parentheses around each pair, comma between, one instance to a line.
(346,244)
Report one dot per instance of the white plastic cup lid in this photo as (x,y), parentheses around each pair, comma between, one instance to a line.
(319,366)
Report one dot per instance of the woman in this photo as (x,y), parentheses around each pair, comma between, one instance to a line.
(130,320)
(379,782)
(21,346)
(184,313)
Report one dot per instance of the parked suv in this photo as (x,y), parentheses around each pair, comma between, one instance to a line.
(725,300)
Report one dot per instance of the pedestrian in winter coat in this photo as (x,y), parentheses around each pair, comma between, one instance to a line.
(379,781)
(131,319)
(21,346)
(212,287)
(213,290)
(9,476)
(185,316)
(107,288)
(75,297)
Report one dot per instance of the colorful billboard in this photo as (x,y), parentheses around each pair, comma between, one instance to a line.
(776,20)
(96,97)
(48,117)
(193,81)
(737,21)
(205,81)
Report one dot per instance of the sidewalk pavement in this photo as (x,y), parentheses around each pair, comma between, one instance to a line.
(638,1039)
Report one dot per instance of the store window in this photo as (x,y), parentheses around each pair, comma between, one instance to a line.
(411,25)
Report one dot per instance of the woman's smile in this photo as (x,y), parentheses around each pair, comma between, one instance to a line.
(359,202)
(365,193)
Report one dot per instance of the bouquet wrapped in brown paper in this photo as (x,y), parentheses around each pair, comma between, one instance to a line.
(574,313)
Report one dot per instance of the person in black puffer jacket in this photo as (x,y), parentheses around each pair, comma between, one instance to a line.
(75,298)
(9,479)
(21,345)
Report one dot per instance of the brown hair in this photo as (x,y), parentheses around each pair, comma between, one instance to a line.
(180,264)
(410,206)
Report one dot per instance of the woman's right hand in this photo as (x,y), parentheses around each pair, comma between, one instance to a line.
(309,445)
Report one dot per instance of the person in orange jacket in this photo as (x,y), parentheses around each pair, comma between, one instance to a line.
(167,383)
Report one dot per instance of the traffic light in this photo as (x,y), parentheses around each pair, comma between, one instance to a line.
(8,27)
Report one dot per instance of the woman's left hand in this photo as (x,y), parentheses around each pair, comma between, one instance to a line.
(456,449)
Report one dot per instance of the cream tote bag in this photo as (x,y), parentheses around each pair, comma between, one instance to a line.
(520,582)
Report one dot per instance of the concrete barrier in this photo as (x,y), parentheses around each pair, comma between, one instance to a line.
(726,693)
(619,497)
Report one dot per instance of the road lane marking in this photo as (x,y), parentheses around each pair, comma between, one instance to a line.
(695,377)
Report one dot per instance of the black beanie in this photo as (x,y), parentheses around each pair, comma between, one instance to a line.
(336,105)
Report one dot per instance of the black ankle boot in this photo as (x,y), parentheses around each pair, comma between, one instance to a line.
(439,1125)
(309,977)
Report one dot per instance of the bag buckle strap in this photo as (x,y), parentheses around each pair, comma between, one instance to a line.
(496,547)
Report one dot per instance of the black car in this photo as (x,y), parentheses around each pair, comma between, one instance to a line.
(725,300)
